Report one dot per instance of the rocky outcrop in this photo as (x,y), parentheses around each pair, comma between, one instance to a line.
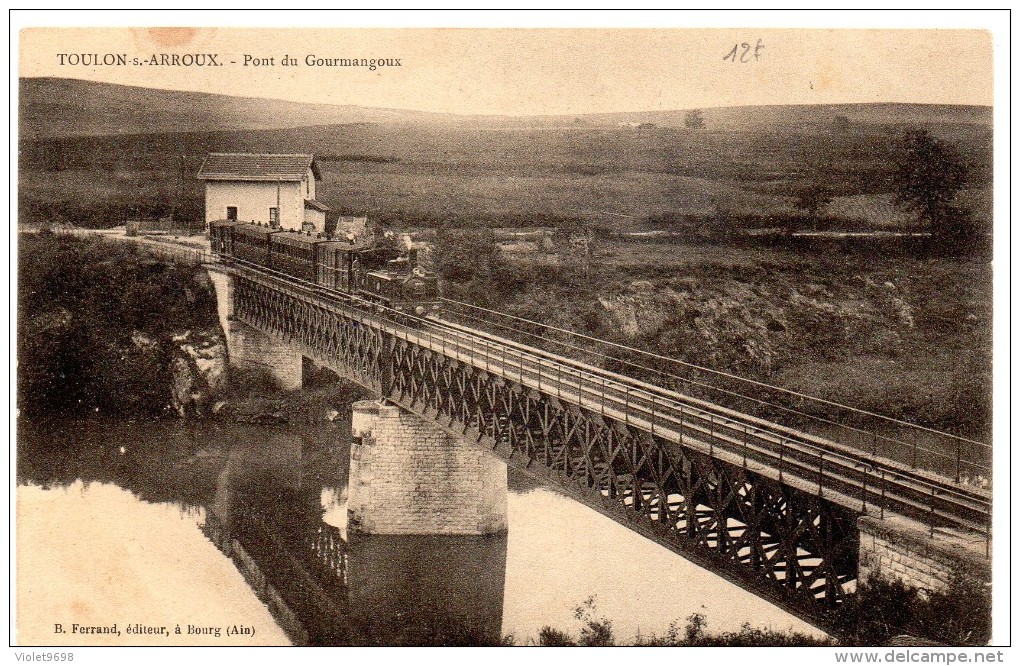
(734,325)
(199,371)
(754,325)
(105,328)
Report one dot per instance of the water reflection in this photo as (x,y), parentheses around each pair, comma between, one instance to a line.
(427,590)
(325,589)
(96,555)
(273,501)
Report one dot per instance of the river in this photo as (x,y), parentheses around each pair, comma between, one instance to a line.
(236,534)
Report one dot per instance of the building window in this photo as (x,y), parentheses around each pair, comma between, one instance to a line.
(231,212)
(274,217)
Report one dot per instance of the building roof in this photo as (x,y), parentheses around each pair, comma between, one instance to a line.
(316,205)
(258,167)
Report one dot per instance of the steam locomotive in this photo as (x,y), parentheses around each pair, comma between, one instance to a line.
(354,270)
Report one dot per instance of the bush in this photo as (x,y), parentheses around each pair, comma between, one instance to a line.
(549,637)
(879,610)
(95,321)
(466,255)
(595,631)
(695,634)
(882,608)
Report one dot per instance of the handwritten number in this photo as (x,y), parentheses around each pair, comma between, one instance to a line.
(745,52)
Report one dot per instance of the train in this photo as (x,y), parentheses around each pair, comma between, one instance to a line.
(356,271)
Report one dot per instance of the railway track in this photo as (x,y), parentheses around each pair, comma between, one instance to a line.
(859,480)
(855,479)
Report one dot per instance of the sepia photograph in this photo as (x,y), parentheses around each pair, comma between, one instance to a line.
(621,329)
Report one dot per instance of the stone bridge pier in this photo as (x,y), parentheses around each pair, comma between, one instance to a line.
(408,476)
(895,549)
(249,348)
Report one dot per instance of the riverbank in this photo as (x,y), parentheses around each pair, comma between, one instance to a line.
(109,328)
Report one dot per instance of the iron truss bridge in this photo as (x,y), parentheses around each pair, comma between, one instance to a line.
(767,507)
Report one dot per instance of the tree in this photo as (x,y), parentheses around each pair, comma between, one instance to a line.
(841,125)
(928,176)
(813,199)
(694,119)
(462,255)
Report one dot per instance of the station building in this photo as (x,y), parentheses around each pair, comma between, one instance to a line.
(273,189)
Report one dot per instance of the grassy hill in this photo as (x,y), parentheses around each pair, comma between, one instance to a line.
(52,107)
(422,174)
(95,153)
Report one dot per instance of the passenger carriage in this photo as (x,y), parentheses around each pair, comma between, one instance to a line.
(251,243)
(337,265)
(221,238)
(294,254)
(337,262)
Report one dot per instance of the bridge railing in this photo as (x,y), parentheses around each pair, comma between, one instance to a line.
(183,254)
(857,478)
(923,448)
(853,478)
(162,249)
(963,459)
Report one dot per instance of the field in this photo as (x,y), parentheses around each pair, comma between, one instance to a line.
(885,326)
(434,175)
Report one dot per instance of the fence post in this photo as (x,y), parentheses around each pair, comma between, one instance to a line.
(711,434)
(865,470)
(957,460)
(781,445)
(821,463)
(881,506)
(653,414)
(626,407)
(744,446)
(931,514)
(681,427)
(988,533)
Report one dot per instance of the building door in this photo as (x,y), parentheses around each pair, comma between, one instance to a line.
(232,213)
(274,217)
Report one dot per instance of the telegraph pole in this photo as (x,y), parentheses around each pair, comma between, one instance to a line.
(180,197)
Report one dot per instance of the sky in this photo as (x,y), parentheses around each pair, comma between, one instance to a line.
(539,71)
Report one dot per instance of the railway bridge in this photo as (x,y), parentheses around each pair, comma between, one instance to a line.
(793,517)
